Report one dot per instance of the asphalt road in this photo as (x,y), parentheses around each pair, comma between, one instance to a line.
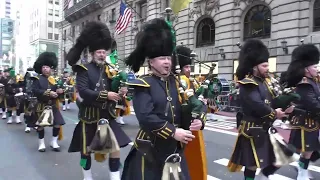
(20,159)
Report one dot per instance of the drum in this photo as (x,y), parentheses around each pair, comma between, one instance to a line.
(19,97)
(2,92)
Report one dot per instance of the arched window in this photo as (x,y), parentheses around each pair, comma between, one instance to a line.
(316,16)
(257,23)
(205,33)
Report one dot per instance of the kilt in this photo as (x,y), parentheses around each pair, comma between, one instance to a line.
(305,134)
(3,104)
(137,167)
(58,119)
(10,102)
(85,132)
(250,151)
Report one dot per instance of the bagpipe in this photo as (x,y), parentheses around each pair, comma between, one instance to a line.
(191,108)
(204,92)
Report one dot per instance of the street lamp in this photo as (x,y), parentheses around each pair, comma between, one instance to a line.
(222,53)
(284,46)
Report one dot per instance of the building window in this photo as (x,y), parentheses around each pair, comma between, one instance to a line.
(64,34)
(206,32)
(51,1)
(50,12)
(113,14)
(56,13)
(73,31)
(50,24)
(257,22)
(143,9)
(316,16)
(56,36)
(56,24)
(99,17)
(56,2)
(50,36)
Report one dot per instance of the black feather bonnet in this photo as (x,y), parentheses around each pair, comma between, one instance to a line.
(184,56)
(252,53)
(45,59)
(95,35)
(303,56)
(155,40)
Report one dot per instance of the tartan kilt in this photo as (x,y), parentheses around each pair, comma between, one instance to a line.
(137,167)
(305,134)
(84,133)
(246,153)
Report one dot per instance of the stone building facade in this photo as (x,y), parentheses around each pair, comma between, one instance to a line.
(214,29)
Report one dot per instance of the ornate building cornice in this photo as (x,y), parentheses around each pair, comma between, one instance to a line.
(204,7)
(247,2)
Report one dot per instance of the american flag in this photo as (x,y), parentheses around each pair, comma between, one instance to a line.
(66,4)
(124,18)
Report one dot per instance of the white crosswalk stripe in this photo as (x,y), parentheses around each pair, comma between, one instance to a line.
(221,124)
(224,162)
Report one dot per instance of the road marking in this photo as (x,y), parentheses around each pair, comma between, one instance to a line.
(310,167)
(224,162)
(221,131)
(222,124)
(212,178)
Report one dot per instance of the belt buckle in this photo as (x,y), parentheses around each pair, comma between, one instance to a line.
(104,105)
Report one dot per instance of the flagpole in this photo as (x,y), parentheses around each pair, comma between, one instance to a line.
(133,9)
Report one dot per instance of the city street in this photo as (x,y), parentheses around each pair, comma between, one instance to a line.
(21,160)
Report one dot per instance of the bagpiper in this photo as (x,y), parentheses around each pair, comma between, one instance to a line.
(197,164)
(46,91)
(69,91)
(302,74)
(157,104)
(12,89)
(97,125)
(253,148)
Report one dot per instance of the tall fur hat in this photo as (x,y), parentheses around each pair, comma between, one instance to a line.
(252,53)
(184,56)
(302,57)
(95,35)
(45,59)
(156,40)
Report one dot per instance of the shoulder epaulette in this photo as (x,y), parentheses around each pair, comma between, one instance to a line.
(141,82)
(79,67)
(304,80)
(248,81)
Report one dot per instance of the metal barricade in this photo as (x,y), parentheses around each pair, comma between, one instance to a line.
(228,103)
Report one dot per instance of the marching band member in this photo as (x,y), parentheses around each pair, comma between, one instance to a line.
(93,83)
(196,164)
(68,81)
(255,102)
(157,106)
(29,113)
(46,91)
(302,74)
(12,88)
(3,80)
(124,111)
